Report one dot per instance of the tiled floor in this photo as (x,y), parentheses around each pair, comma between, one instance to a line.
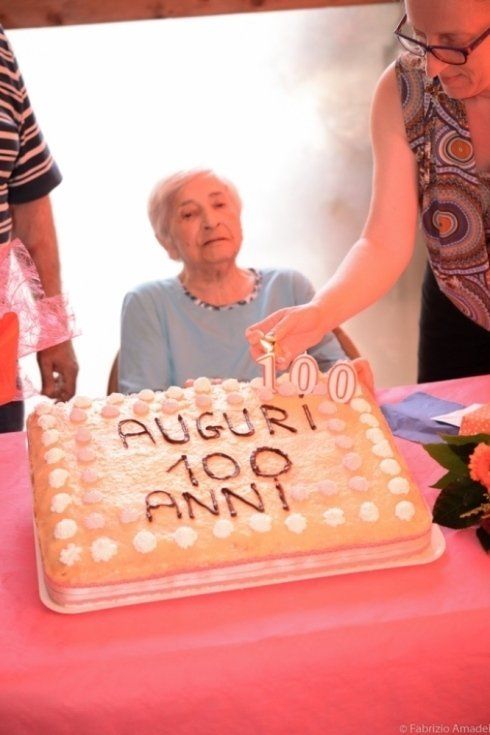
(279,102)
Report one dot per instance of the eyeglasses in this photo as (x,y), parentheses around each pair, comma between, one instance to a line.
(447,54)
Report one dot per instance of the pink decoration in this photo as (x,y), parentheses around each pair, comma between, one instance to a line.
(265,394)
(89,476)
(170,405)
(82,402)
(344,442)
(327,487)
(83,436)
(352,461)
(359,483)
(44,407)
(203,400)
(78,415)
(86,455)
(336,424)
(110,412)
(235,398)
(92,496)
(94,520)
(140,408)
(287,389)
(299,492)
(43,321)
(129,515)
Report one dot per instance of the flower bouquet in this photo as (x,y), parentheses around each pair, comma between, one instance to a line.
(464,499)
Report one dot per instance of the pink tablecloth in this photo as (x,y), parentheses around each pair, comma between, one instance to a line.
(376,653)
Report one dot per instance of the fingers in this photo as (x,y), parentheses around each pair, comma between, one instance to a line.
(59,370)
(276,325)
(49,386)
(254,336)
(68,374)
(257,331)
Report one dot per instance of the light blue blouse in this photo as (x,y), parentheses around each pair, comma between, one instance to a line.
(167,337)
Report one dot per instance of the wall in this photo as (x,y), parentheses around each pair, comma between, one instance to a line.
(278,102)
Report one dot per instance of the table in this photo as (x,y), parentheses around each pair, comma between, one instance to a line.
(372,653)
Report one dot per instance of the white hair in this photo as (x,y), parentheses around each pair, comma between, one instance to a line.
(162,199)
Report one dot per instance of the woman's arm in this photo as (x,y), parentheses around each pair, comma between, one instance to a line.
(382,252)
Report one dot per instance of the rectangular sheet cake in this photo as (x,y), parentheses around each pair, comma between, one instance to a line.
(180,489)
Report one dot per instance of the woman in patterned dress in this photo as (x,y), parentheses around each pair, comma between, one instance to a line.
(431,144)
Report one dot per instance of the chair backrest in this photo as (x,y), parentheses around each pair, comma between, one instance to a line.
(113,383)
(346,343)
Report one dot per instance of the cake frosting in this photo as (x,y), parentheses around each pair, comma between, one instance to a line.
(142,492)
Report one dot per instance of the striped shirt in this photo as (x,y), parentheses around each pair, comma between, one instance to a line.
(27,169)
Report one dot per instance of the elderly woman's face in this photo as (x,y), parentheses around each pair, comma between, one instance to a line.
(455,23)
(205,226)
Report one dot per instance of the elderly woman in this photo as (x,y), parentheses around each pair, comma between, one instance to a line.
(431,145)
(182,327)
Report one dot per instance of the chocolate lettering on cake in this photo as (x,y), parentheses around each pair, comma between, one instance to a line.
(190,473)
(210,473)
(281,493)
(214,431)
(190,498)
(270,420)
(124,435)
(274,450)
(250,426)
(228,494)
(151,506)
(308,416)
(168,438)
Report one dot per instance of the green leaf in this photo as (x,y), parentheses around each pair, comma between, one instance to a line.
(455,500)
(447,458)
(459,440)
(446,480)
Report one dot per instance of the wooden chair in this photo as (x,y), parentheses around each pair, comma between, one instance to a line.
(346,343)
(112,385)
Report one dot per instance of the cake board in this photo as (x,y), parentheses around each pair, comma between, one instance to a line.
(258,574)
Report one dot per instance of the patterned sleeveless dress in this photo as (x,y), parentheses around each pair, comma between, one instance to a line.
(454,199)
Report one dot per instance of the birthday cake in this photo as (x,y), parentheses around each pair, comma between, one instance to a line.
(217,486)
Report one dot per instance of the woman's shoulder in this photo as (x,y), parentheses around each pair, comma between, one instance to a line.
(290,285)
(158,287)
(409,71)
(282,275)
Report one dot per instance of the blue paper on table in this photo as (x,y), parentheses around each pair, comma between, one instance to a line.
(411,418)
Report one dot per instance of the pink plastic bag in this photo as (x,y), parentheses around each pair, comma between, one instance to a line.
(42,321)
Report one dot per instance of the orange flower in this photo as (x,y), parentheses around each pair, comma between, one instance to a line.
(479,465)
